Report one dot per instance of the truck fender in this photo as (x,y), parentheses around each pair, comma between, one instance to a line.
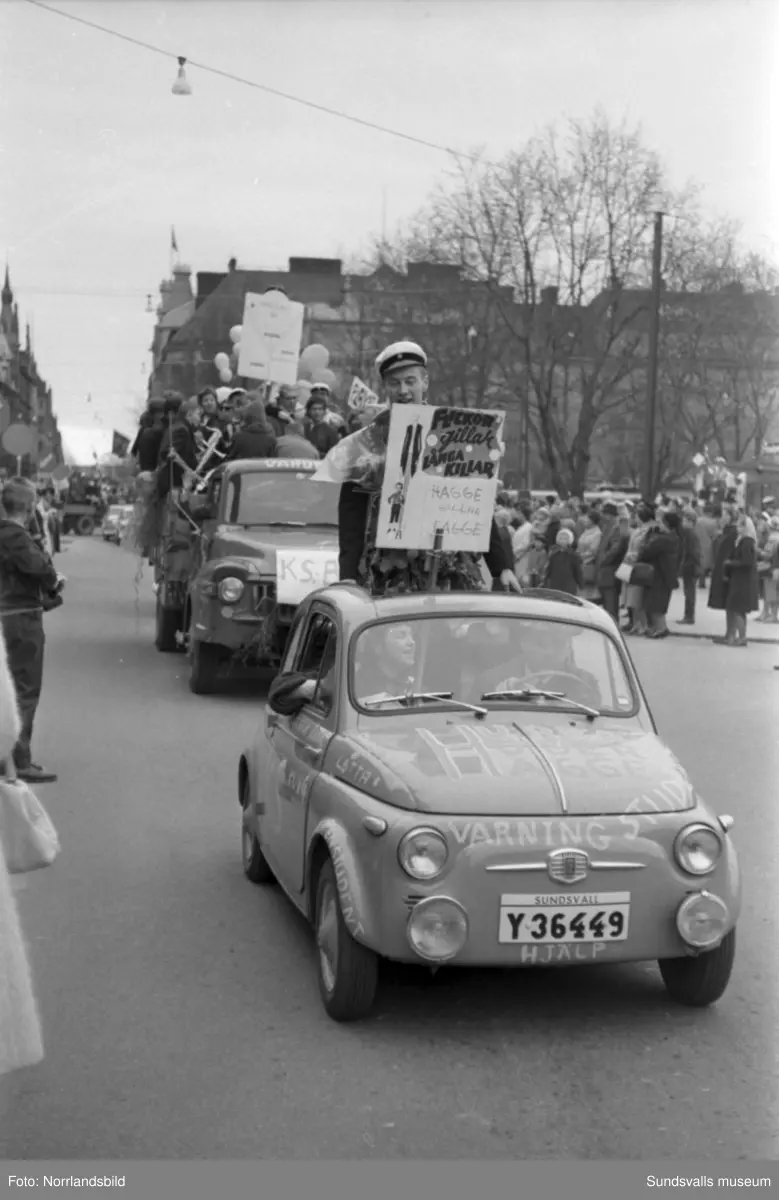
(329,839)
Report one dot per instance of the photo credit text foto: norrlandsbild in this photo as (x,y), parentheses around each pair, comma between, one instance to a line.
(66,1181)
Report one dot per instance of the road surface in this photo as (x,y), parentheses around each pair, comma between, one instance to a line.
(180,1003)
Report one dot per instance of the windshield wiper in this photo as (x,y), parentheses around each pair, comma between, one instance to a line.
(446,697)
(540,694)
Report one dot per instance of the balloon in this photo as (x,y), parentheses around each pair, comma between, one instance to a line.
(60,473)
(235,334)
(324,376)
(221,362)
(19,440)
(304,371)
(315,356)
(225,374)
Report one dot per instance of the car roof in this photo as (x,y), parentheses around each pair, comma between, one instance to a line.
(240,466)
(358,608)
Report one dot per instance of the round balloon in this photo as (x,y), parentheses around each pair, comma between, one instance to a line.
(324,376)
(61,473)
(221,362)
(315,356)
(20,439)
(304,371)
(235,334)
(225,374)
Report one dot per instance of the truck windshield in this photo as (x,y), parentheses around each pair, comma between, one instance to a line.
(273,497)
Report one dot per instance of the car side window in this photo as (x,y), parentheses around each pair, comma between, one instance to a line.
(299,626)
(318,658)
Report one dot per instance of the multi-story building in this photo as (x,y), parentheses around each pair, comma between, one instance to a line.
(26,397)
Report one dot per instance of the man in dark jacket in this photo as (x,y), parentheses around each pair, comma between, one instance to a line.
(612,548)
(689,565)
(255,438)
(403,370)
(294,444)
(146,449)
(27,575)
(182,455)
(322,434)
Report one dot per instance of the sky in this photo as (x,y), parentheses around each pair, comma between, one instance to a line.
(99,159)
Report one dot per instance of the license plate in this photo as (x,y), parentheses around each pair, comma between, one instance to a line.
(549,919)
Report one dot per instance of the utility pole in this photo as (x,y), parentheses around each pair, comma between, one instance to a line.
(651,381)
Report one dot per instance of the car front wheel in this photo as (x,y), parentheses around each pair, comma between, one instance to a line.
(255,866)
(347,970)
(700,981)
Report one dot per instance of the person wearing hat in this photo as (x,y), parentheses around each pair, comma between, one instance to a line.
(255,438)
(612,548)
(403,371)
(320,432)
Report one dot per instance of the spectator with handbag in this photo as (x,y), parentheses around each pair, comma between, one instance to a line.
(588,545)
(28,582)
(611,551)
(634,592)
(690,564)
(21,1042)
(661,552)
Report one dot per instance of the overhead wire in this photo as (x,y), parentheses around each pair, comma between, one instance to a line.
(261,87)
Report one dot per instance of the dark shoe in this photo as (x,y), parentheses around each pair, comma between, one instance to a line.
(686,621)
(663,633)
(35,774)
(723,641)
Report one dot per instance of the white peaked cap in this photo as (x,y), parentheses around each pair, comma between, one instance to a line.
(400,354)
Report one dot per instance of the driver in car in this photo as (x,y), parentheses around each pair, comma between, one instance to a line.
(385,666)
(543,659)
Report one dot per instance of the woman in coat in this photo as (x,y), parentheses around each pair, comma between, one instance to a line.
(742,595)
(255,438)
(634,595)
(661,551)
(588,546)
(21,1043)
(724,545)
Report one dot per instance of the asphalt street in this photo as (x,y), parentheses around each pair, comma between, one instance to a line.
(180,1004)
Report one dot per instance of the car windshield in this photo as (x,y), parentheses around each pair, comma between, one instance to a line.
(473,661)
(275,497)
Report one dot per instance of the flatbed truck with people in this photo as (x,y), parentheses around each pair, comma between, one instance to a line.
(234,561)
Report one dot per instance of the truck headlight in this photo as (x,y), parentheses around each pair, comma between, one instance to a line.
(698,849)
(422,853)
(437,928)
(231,589)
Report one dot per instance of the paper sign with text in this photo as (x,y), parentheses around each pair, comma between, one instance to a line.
(300,572)
(441,474)
(271,337)
(361,397)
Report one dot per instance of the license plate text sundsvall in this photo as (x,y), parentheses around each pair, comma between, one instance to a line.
(565,918)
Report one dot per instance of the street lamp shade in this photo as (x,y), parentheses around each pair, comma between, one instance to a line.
(181,85)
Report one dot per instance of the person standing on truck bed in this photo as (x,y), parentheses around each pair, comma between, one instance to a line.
(321,432)
(255,438)
(146,448)
(183,444)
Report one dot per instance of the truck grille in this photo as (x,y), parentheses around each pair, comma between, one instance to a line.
(266,602)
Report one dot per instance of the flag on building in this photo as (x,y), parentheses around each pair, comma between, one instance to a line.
(173,243)
(120,445)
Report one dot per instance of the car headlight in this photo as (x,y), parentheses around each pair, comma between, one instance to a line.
(698,849)
(422,853)
(230,590)
(437,928)
(702,920)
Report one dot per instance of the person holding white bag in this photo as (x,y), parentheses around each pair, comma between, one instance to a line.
(21,1040)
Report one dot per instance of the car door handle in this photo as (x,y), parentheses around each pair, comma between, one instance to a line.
(310,754)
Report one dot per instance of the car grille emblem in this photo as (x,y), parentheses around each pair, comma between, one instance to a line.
(567,866)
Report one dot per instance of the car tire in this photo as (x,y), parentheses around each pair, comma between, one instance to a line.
(85,526)
(204,662)
(347,971)
(700,981)
(255,864)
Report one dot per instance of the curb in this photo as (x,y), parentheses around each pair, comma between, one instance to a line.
(707,637)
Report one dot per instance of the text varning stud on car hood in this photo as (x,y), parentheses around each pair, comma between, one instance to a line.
(499,768)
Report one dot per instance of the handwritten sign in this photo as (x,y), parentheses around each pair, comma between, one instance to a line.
(271,337)
(361,397)
(441,474)
(300,572)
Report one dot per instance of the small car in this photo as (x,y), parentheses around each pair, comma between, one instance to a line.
(477,780)
(116,521)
